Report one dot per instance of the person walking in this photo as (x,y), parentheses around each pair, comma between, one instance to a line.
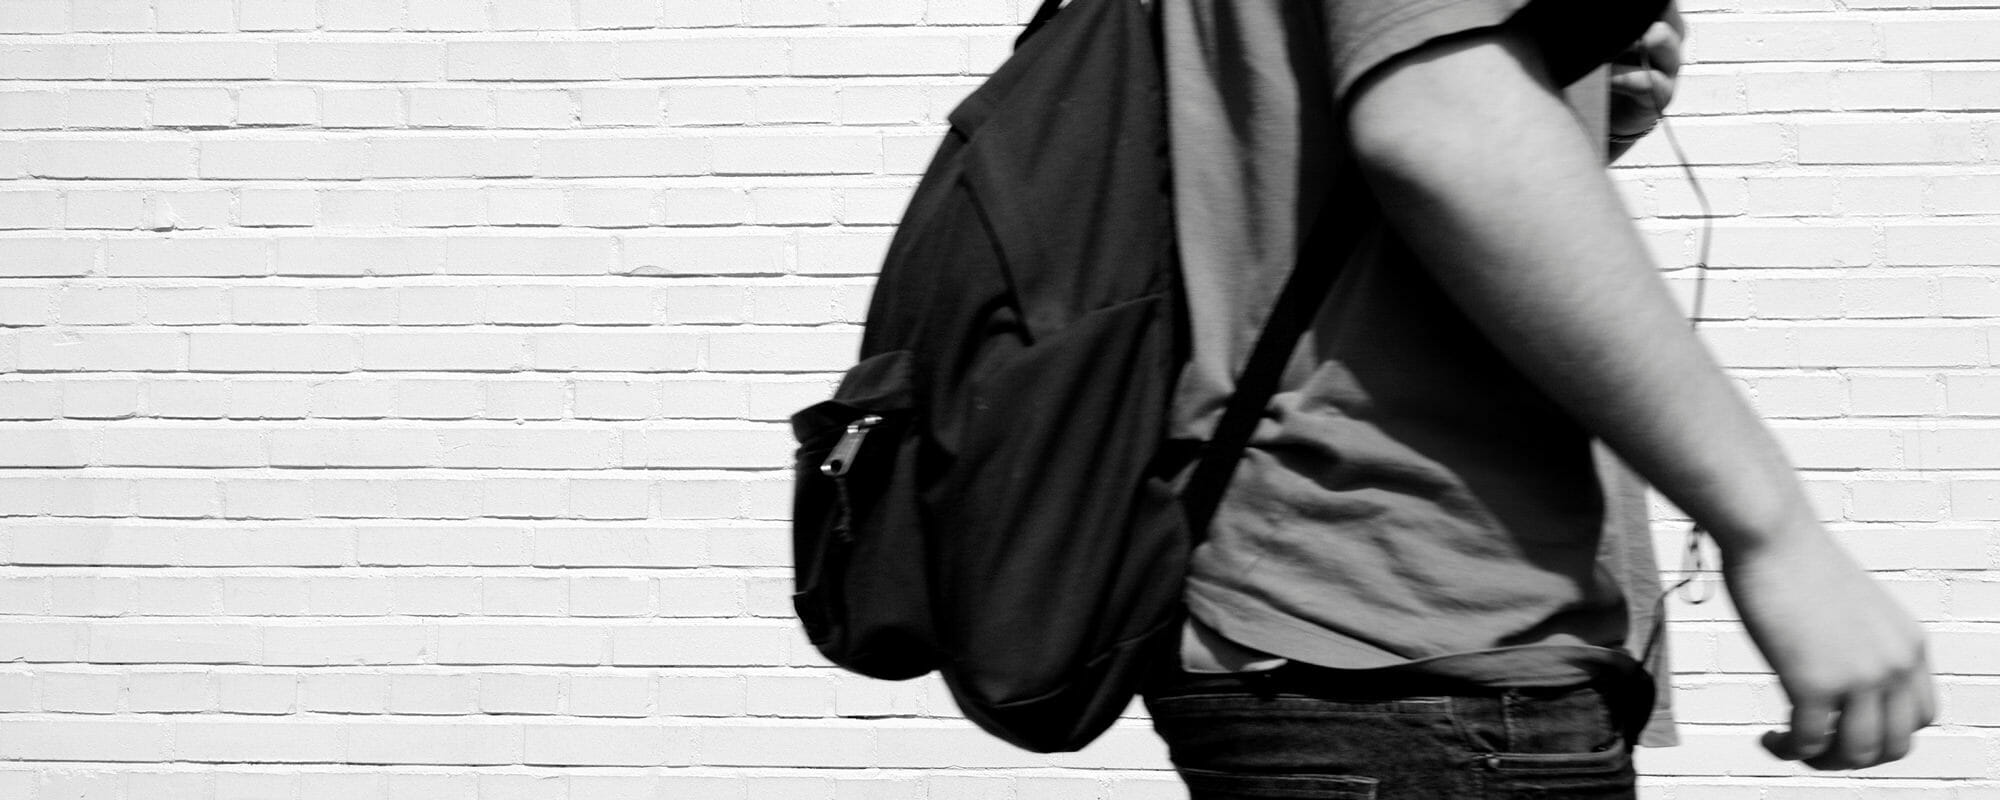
(1401,593)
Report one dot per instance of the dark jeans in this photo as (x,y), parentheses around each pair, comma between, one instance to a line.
(1300,732)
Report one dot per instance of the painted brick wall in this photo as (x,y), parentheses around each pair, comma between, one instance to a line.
(393,389)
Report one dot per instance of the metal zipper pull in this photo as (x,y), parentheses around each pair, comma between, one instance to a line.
(839,461)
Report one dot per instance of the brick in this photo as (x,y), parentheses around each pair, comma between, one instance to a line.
(617,106)
(701,57)
(437,399)
(370,61)
(303,547)
(192,498)
(1884,345)
(609,499)
(447,743)
(29,401)
(187,257)
(32,110)
(520,400)
(434,156)
(504,693)
(708,645)
(616,547)
(80,692)
(1781,39)
(173,643)
(67,351)
(40,257)
(203,107)
(900,54)
(362,15)
(637,744)
(28,210)
(595,351)
(84,739)
(532,60)
(108,108)
(726,254)
(527,305)
(112,158)
(707,448)
(432,694)
(264,740)
(1937,40)
(100,399)
(322,644)
(29,60)
(736,744)
(831,254)
(1877,143)
(817,153)
(115,210)
(609,597)
(192,16)
(529,449)
(277,105)
(361,108)
(273,352)
(710,105)
(779,350)
(623,156)
(610,696)
(344,692)
(359,255)
(162,60)
(415,546)
(522,597)
(611,207)
(601,14)
(501,352)
(35,16)
(452,108)
(351,447)
(534,15)
(170,692)
(540,255)
(521,644)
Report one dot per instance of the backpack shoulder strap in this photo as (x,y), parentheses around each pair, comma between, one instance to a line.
(1042,17)
(1330,242)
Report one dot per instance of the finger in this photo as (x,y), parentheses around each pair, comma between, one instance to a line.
(1811,731)
(1650,87)
(1899,720)
(1926,695)
(1857,738)
(1663,49)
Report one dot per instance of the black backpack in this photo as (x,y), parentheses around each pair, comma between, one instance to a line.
(990,493)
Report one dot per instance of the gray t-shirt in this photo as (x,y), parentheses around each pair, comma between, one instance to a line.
(1409,497)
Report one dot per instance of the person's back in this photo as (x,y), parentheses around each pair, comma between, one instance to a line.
(1413,532)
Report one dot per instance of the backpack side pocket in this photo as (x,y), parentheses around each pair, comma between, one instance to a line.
(859,564)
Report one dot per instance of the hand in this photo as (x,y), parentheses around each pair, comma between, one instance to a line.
(1851,661)
(1642,79)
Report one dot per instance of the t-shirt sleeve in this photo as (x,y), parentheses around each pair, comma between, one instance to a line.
(1575,36)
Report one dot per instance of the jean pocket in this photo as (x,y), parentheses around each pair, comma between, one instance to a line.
(1613,759)
(1205,784)
(1602,775)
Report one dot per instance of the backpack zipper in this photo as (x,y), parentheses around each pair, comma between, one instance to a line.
(841,460)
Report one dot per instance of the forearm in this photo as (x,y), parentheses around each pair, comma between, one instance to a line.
(1525,232)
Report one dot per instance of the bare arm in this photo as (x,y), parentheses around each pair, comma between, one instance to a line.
(1494,185)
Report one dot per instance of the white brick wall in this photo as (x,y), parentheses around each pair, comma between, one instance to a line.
(391,391)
